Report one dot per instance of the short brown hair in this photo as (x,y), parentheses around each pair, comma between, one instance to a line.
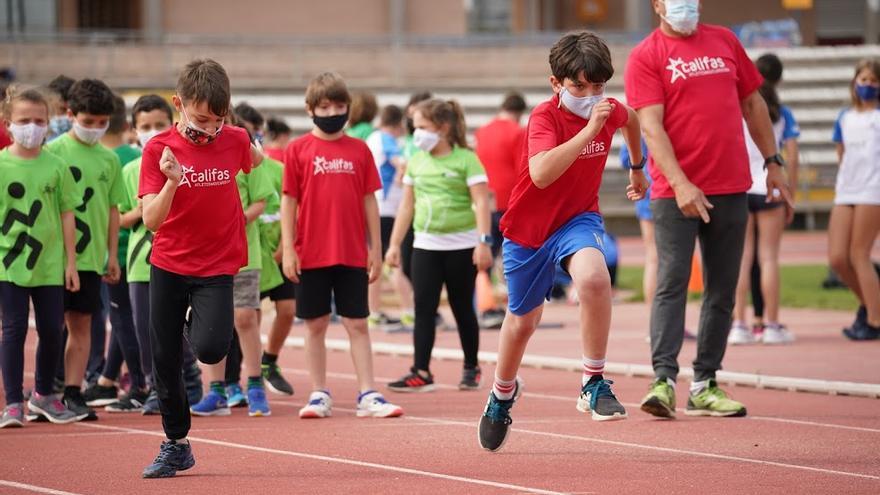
(391,116)
(581,51)
(363,108)
(16,93)
(205,80)
(329,85)
(118,117)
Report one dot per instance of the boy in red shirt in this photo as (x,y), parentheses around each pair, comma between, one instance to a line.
(553,220)
(191,202)
(328,212)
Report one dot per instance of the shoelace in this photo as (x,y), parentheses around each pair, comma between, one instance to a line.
(166,450)
(598,389)
(497,411)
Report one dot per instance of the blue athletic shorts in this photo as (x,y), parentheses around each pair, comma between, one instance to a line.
(530,272)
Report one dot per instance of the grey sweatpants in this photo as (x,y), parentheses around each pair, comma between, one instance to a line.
(721,245)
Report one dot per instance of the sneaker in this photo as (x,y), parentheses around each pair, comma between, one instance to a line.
(862,331)
(50,408)
(712,401)
(413,382)
(13,416)
(740,335)
(408,320)
(173,457)
(192,383)
(212,404)
(320,405)
(660,401)
(151,406)
(131,402)
(383,322)
(275,382)
(372,404)
(470,378)
(99,396)
(440,324)
(758,331)
(257,403)
(492,319)
(495,422)
(777,334)
(236,397)
(597,397)
(861,318)
(76,403)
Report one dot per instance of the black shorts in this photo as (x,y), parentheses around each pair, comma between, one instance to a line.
(88,299)
(284,292)
(758,202)
(344,285)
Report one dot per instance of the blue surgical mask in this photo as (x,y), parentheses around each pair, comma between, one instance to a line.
(867,92)
(59,125)
(580,106)
(683,15)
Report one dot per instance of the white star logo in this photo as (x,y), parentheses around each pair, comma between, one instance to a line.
(319,165)
(184,179)
(675,67)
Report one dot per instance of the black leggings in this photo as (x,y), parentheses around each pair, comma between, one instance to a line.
(124,343)
(209,332)
(430,271)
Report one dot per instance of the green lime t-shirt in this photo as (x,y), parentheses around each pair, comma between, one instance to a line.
(126,153)
(140,243)
(97,172)
(270,228)
(33,193)
(361,130)
(253,187)
(444,217)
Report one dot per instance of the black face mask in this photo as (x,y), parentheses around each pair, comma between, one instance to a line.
(331,125)
(410,126)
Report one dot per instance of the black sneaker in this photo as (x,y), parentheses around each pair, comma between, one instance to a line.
(132,402)
(470,378)
(495,422)
(413,382)
(275,382)
(173,457)
(597,398)
(98,396)
(862,331)
(76,403)
(151,406)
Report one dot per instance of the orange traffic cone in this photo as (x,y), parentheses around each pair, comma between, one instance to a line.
(485,293)
(695,284)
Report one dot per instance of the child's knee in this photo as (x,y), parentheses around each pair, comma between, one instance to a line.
(839,261)
(593,284)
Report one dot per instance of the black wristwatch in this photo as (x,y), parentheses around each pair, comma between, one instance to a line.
(641,164)
(777,159)
(486,239)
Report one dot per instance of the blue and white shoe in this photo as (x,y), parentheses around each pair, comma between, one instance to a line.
(596,397)
(372,404)
(257,403)
(235,396)
(320,405)
(212,404)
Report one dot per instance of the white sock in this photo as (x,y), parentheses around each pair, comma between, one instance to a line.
(697,387)
(504,389)
(591,367)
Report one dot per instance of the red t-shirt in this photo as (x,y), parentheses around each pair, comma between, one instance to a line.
(329,180)
(4,137)
(276,154)
(700,80)
(500,147)
(204,233)
(534,214)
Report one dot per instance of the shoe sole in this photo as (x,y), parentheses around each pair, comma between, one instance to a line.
(169,474)
(41,411)
(394,413)
(583,407)
(120,410)
(101,402)
(276,390)
(654,407)
(465,388)
(259,414)
(12,423)
(216,412)
(716,414)
(313,415)
(413,390)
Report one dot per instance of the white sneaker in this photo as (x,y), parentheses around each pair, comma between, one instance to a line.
(319,406)
(740,335)
(777,334)
(373,405)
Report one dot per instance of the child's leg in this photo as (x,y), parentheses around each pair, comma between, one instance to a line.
(15,309)
(427,276)
(285,310)
(211,328)
(316,351)
(404,289)
(361,351)
(249,337)
(139,294)
(122,322)
(314,294)
(866,226)
(757,297)
(98,340)
(49,316)
(76,354)
(350,287)
(460,277)
(744,281)
(515,334)
(770,225)
(593,284)
(840,232)
(231,364)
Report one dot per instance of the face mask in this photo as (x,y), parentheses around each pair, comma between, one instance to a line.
(87,135)
(425,140)
(331,124)
(580,106)
(866,92)
(59,125)
(145,136)
(29,136)
(196,134)
(682,15)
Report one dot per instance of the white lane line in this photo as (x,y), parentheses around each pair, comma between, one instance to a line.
(340,460)
(34,488)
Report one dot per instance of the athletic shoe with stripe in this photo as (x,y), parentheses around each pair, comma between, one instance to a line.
(741,335)
(258,405)
(660,400)
(712,401)
(13,416)
(598,399)
(777,334)
(413,382)
(275,381)
(320,406)
(470,378)
(99,395)
(495,422)
(372,404)
(212,404)
(76,403)
(235,396)
(173,457)
(51,409)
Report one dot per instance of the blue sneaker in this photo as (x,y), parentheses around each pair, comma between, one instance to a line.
(257,403)
(597,397)
(151,406)
(173,457)
(212,404)
(236,396)
(495,422)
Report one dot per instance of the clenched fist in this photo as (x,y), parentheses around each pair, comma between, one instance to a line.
(169,165)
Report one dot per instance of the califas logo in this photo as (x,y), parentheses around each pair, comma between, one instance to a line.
(334,166)
(700,66)
(595,148)
(206,178)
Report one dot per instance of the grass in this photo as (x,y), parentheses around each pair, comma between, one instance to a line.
(801,287)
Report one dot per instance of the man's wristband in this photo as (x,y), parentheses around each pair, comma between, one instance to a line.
(777,159)
(486,239)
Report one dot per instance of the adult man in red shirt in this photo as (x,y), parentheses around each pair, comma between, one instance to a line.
(692,84)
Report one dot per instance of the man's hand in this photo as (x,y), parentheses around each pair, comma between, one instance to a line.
(113,271)
(599,115)
(776,181)
(638,185)
(374,263)
(169,166)
(692,202)
(290,266)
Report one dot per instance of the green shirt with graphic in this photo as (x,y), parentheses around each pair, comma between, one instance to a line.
(126,153)
(270,228)
(253,187)
(33,194)
(140,243)
(97,172)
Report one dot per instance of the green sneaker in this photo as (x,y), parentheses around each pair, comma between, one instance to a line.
(660,401)
(712,401)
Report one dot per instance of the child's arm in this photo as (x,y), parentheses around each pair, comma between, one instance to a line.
(113,269)
(480,197)
(157,206)
(401,224)
(68,230)
(632,134)
(840,151)
(374,254)
(547,166)
(254,211)
(130,218)
(757,117)
(289,258)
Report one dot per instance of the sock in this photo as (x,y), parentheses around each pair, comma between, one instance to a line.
(503,389)
(71,391)
(697,387)
(181,441)
(254,382)
(269,358)
(592,367)
(218,387)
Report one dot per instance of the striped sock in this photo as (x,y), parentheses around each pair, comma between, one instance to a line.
(592,367)
(504,389)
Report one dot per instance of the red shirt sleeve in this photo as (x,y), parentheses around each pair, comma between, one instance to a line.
(289,182)
(619,116)
(152,179)
(542,133)
(370,173)
(641,80)
(247,160)
(747,75)
(4,138)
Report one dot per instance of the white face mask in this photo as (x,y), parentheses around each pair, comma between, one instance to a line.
(29,136)
(89,136)
(682,15)
(425,140)
(145,136)
(580,106)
